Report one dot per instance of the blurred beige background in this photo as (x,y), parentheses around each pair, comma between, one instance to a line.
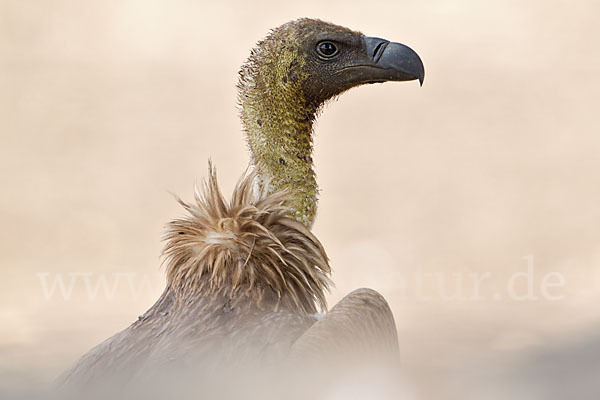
(490,169)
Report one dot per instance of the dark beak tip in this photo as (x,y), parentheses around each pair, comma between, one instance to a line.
(397,57)
(421,74)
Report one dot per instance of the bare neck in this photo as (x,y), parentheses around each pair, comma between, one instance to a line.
(279,123)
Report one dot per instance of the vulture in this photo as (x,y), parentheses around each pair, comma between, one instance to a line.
(246,277)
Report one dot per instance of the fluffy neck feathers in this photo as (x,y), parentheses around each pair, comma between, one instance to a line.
(246,248)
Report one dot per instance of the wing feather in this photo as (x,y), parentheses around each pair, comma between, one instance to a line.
(359,326)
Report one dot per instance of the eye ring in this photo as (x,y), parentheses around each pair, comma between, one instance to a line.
(327,49)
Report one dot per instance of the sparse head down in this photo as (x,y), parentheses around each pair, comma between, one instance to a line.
(289,76)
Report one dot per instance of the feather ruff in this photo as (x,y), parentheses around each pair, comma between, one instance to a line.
(246,247)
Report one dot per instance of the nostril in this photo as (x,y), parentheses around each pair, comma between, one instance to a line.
(376,49)
(379,49)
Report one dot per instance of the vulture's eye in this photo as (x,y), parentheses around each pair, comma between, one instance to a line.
(327,49)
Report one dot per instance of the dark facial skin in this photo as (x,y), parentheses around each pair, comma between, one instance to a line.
(337,59)
(285,81)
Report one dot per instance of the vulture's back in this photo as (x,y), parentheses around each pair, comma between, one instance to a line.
(178,334)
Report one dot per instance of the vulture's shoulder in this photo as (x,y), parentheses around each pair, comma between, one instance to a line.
(204,333)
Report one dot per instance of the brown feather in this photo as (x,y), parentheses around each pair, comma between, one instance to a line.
(242,282)
(247,246)
(361,321)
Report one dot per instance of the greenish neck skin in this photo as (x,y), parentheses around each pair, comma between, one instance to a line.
(279,131)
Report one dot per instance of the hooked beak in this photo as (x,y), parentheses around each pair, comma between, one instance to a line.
(390,61)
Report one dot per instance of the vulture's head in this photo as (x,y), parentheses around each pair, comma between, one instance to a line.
(316,60)
(288,77)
